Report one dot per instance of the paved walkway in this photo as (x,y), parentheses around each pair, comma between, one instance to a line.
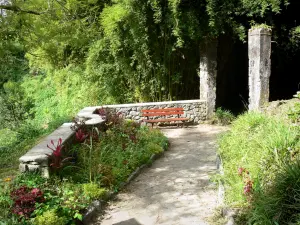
(175,190)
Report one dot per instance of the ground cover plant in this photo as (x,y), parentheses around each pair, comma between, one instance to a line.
(223,117)
(99,162)
(260,157)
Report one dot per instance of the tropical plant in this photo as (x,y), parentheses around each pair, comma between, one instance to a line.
(25,199)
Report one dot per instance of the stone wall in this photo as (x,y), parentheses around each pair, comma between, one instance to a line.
(195,110)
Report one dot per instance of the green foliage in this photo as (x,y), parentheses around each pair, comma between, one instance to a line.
(122,148)
(279,203)
(93,191)
(261,145)
(15,106)
(7,137)
(294,112)
(5,201)
(262,25)
(223,116)
(67,199)
(49,218)
(29,179)
(155,148)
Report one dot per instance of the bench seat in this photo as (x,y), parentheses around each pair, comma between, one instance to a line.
(166,120)
(150,113)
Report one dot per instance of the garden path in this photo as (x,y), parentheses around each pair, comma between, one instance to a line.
(176,188)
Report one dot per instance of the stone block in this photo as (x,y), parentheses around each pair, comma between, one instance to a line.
(134,113)
(94,121)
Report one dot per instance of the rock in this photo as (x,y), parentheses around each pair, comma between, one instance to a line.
(134,113)
(94,121)
(93,209)
(23,168)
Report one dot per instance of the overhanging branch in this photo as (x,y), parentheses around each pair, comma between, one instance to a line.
(18,9)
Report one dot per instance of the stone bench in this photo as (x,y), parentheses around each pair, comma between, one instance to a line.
(37,160)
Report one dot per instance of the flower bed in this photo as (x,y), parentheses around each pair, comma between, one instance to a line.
(99,162)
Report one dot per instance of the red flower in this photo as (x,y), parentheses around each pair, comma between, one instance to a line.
(248,188)
(240,171)
(81,136)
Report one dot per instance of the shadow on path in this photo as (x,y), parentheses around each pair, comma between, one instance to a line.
(176,188)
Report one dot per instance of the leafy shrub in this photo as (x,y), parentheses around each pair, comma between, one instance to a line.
(15,107)
(154,148)
(119,150)
(67,199)
(7,138)
(93,191)
(49,218)
(25,200)
(223,116)
(279,203)
(30,180)
(259,143)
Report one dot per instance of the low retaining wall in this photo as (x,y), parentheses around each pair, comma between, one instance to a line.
(36,158)
(195,110)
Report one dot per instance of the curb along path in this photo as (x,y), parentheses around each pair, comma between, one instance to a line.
(176,188)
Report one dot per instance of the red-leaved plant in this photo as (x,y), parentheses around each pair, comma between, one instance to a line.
(81,136)
(25,199)
(111,117)
(57,161)
(248,183)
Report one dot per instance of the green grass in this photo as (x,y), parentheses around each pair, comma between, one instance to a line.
(280,202)
(223,116)
(260,144)
(15,143)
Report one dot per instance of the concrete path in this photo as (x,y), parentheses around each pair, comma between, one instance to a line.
(176,188)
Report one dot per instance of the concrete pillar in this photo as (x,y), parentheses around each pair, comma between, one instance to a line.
(208,75)
(259,53)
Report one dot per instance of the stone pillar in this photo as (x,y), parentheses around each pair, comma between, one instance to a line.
(259,53)
(208,75)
